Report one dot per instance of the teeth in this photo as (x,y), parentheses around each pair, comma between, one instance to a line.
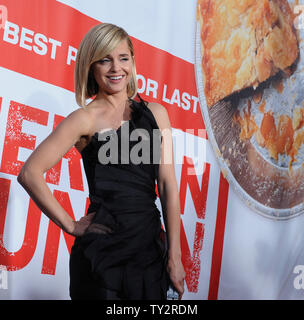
(116,78)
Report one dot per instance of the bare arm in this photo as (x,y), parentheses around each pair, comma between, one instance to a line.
(169,197)
(44,157)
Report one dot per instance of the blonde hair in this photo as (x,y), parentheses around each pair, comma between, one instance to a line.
(100,41)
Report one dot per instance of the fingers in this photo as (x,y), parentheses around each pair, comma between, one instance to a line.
(88,218)
(180,294)
(98,228)
(180,289)
(178,284)
(178,281)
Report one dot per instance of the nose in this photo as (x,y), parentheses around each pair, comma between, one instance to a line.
(115,65)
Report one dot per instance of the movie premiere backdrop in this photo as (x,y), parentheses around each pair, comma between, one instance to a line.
(241,200)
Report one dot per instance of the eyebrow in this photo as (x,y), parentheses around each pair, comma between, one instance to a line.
(121,55)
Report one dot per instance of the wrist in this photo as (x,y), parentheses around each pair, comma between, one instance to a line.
(174,255)
(69,226)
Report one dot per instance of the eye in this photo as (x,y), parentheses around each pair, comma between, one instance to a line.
(125,58)
(105,60)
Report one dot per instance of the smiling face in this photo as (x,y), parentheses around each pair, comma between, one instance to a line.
(113,72)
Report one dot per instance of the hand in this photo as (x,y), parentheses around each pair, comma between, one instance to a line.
(177,275)
(85,225)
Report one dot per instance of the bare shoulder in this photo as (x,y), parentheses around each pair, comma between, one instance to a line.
(83,120)
(160,114)
(157,108)
(81,116)
(77,126)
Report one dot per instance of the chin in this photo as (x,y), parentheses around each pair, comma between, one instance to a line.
(116,90)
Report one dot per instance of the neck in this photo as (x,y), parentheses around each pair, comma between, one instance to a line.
(114,100)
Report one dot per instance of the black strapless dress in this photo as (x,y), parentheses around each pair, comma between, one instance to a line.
(130,262)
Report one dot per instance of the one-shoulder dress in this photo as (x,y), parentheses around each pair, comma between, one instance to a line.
(130,262)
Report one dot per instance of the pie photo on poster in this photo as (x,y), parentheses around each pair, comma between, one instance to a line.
(249,74)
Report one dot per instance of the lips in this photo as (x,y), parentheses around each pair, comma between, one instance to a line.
(115,78)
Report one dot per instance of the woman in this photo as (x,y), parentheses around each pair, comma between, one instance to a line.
(118,252)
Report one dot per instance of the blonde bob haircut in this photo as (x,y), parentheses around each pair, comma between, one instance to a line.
(100,41)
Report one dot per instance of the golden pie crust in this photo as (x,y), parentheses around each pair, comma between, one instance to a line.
(244,42)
